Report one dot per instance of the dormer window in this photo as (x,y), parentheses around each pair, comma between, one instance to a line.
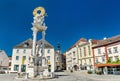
(26,44)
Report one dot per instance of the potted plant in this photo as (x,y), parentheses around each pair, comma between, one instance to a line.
(98,72)
(71,70)
(89,72)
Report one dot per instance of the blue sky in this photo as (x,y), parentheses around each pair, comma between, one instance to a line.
(67,21)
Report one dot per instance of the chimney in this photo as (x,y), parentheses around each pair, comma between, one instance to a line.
(104,38)
(89,40)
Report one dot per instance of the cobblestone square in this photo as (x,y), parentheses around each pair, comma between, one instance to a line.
(66,76)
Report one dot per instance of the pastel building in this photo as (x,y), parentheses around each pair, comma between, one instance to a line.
(72,56)
(22,52)
(85,54)
(58,60)
(4,61)
(107,55)
(72,59)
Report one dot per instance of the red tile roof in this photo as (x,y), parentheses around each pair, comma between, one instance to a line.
(108,41)
(80,40)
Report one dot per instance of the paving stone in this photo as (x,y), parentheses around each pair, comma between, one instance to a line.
(66,76)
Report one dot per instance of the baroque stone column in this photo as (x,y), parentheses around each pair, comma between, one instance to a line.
(39,61)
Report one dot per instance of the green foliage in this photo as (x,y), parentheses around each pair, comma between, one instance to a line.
(109,60)
(113,62)
(117,61)
(71,70)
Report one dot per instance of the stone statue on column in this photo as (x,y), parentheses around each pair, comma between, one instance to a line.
(37,58)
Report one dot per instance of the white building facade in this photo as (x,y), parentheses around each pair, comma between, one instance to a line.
(72,58)
(22,52)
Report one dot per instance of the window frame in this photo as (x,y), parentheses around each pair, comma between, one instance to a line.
(17,50)
(80,52)
(84,48)
(24,51)
(109,51)
(16,67)
(115,49)
(99,51)
(17,57)
(89,51)
(24,57)
(48,51)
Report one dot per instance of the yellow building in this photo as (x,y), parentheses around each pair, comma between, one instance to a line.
(85,54)
(72,56)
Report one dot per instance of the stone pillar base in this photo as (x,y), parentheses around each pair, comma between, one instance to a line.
(30,72)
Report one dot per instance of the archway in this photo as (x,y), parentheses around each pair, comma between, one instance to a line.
(75,67)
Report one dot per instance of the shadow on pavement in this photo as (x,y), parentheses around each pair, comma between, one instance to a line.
(57,76)
(59,71)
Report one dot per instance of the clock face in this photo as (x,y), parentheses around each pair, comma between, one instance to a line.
(39,10)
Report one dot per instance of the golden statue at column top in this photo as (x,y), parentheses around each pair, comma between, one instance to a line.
(36,11)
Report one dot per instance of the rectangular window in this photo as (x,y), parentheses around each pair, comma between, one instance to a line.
(48,51)
(80,52)
(109,51)
(96,60)
(16,67)
(116,58)
(4,68)
(99,51)
(115,50)
(41,51)
(85,62)
(84,51)
(17,57)
(24,57)
(17,51)
(74,53)
(48,57)
(49,68)
(69,54)
(23,68)
(103,59)
(24,51)
(89,51)
(74,58)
